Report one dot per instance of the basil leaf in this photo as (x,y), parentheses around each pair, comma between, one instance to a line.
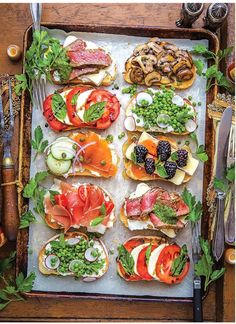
(180,262)
(148,253)
(133,157)
(94,112)
(74,99)
(161,171)
(126,260)
(174,156)
(52,194)
(103,210)
(58,106)
(96,221)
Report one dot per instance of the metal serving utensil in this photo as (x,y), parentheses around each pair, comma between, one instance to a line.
(197,283)
(10,213)
(39,92)
(218,243)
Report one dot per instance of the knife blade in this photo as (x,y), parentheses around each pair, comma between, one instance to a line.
(223,135)
(197,283)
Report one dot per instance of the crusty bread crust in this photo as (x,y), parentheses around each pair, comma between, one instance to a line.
(128,163)
(44,270)
(147,239)
(141,129)
(49,218)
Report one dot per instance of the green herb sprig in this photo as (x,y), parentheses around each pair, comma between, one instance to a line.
(126,260)
(44,56)
(13,288)
(214,70)
(38,143)
(34,191)
(179,262)
(195,207)
(98,220)
(165,213)
(200,150)
(204,267)
(229,178)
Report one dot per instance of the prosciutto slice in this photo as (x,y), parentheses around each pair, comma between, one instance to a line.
(89,57)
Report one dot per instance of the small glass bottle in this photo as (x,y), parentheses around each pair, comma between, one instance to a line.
(190,12)
(215,16)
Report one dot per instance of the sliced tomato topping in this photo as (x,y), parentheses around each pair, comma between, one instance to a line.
(61,200)
(142,266)
(112,107)
(83,192)
(54,123)
(109,206)
(71,107)
(164,264)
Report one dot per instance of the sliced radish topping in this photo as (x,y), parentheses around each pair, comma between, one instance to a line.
(89,279)
(144,99)
(75,265)
(91,254)
(73,240)
(163,120)
(52,261)
(177,100)
(190,125)
(130,124)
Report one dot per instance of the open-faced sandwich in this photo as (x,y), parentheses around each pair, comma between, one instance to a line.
(83,154)
(79,205)
(160,63)
(160,111)
(154,208)
(90,64)
(150,158)
(80,107)
(152,258)
(73,254)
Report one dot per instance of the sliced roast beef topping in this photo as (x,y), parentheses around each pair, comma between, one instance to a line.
(77,45)
(89,57)
(78,72)
(150,197)
(181,208)
(160,224)
(133,207)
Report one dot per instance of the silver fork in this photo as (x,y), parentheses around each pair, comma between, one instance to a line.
(230,221)
(39,84)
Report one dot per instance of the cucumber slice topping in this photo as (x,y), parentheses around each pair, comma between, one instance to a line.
(57,167)
(63,150)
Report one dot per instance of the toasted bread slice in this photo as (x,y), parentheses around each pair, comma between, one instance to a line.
(46,271)
(100,229)
(128,163)
(142,129)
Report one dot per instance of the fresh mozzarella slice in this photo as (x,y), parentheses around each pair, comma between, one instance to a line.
(135,253)
(141,189)
(81,101)
(69,39)
(66,120)
(153,260)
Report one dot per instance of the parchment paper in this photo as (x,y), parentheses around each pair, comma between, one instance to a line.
(121,48)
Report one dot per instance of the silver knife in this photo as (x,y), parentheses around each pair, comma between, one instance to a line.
(224,129)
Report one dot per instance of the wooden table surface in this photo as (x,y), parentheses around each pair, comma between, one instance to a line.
(14,19)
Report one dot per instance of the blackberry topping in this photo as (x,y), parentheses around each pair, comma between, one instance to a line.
(170,168)
(140,153)
(149,165)
(182,158)
(163,150)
